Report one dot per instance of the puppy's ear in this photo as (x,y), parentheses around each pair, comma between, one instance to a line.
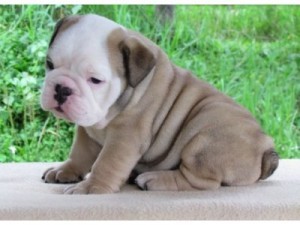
(63,24)
(138,60)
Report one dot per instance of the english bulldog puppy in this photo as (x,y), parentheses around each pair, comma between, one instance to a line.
(140,117)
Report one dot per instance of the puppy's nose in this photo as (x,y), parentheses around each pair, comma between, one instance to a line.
(61,93)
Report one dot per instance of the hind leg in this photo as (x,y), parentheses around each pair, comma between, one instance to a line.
(196,172)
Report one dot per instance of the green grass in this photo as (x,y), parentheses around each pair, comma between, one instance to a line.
(252,53)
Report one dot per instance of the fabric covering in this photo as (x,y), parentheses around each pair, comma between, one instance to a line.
(23,195)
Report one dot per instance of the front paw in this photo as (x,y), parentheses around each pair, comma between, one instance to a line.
(88,186)
(63,174)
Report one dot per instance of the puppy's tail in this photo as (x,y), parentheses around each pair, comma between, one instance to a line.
(269,164)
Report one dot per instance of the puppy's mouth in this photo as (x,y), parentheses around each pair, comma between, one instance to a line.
(59,109)
(61,113)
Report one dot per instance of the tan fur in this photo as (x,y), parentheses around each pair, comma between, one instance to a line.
(174,130)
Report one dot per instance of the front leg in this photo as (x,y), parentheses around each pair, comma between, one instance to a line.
(113,166)
(83,154)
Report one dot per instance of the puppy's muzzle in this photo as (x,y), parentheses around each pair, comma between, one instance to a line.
(62,94)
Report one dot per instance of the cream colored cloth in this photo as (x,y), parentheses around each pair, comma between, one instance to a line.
(23,195)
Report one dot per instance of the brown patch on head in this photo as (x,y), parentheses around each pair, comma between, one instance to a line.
(115,55)
(62,25)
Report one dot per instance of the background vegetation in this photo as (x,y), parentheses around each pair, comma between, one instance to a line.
(252,53)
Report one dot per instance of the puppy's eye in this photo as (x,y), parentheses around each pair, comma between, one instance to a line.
(95,80)
(49,64)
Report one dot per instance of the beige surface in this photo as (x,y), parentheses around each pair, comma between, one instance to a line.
(23,195)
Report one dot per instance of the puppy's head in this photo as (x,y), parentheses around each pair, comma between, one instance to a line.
(90,62)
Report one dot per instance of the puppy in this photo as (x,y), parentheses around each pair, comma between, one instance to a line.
(139,116)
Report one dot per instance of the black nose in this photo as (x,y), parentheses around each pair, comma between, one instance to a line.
(62,93)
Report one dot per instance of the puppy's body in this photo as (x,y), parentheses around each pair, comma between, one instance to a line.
(156,120)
